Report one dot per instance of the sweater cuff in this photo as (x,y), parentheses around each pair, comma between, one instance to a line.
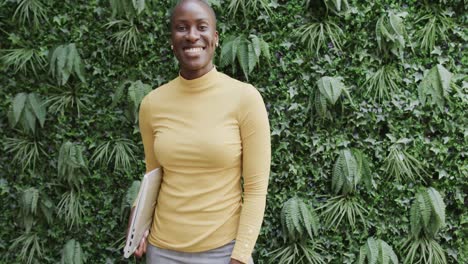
(245,242)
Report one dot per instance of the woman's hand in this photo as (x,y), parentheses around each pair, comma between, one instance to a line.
(235,261)
(141,250)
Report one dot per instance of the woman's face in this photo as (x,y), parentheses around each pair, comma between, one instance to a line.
(194,38)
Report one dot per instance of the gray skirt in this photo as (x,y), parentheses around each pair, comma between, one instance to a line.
(221,255)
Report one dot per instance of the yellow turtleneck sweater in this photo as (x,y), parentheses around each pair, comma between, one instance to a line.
(206,134)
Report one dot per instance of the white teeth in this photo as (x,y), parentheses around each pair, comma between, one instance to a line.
(194,49)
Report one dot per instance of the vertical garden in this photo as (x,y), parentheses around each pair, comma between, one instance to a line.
(367,105)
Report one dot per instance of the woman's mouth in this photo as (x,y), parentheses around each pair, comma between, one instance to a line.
(193,51)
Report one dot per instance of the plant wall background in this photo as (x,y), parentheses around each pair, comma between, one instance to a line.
(367,103)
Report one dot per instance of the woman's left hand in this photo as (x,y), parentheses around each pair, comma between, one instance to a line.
(234,261)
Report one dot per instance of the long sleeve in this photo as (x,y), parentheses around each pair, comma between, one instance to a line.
(146,131)
(147,135)
(256,156)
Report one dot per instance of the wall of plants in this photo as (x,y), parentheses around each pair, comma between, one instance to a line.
(367,104)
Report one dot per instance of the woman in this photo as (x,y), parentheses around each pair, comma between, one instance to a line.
(206,130)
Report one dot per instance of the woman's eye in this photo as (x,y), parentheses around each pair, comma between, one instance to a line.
(181,28)
(203,28)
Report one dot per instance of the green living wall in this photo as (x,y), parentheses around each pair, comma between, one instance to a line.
(367,104)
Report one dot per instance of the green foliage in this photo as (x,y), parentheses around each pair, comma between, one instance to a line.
(34,205)
(27,110)
(391,33)
(377,252)
(248,6)
(383,84)
(246,51)
(64,61)
(427,214)
(297,253)
(72,253)
(30,11)
(298,220)
(66,97)
(435,25)
(70,208)
(342,206)
(22,59)
(435,87)
(350,168)
(129,198)
(127,8)
(427,217)
(300,225)
(120,152)
(401,165)
(128,35)
(135,93)
(330,89)
(71,164)
(427,249)
(26,151)
(329,38)
(319,36)
(30,247)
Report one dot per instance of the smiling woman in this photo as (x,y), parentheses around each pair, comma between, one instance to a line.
(194,38)
(206,131)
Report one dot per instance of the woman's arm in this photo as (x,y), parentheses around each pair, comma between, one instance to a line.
(147,138)
(256,156)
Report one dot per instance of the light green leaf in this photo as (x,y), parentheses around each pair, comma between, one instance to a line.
(18,106)
(38,108)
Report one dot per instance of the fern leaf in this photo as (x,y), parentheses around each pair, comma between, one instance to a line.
(226,52)
(34,200)
(363,168)
(252,57)
(46,208)
(70,57)
(415,219)
(320,104)
(372,250)
(62,75)
(424,205)
(306,219)
(387,251)
(438,205)
(362,255)
(256,45)
(78,66)
(265,49)
(350,167)
(38,108)
(338,177)
(243,57)
(18,106)
(296,216)
(236,43)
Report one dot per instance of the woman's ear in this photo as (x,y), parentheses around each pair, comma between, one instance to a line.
(216,38)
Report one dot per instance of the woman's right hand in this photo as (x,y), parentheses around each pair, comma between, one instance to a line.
(141,250)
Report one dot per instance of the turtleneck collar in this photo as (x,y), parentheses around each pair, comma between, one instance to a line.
(199,84)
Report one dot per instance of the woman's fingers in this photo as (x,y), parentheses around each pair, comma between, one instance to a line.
(141,250)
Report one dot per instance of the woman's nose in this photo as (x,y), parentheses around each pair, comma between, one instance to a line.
(193,35)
